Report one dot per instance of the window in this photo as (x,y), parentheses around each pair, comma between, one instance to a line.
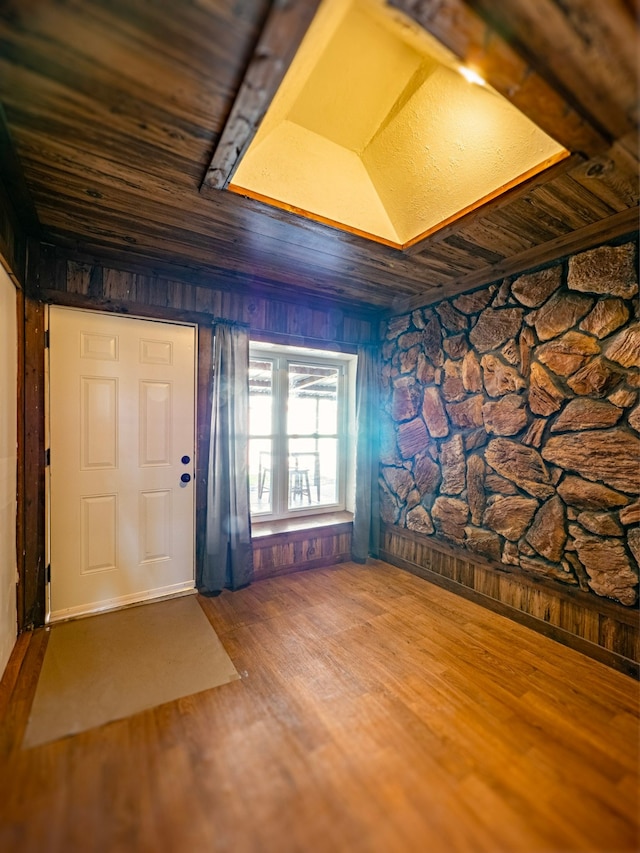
(299,430)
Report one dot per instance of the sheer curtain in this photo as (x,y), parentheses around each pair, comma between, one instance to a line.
(366,516)
(228,557)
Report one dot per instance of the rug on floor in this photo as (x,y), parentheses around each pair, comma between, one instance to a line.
(113,665)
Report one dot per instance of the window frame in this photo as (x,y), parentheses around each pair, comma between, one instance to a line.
(281,357)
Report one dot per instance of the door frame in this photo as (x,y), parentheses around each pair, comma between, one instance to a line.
(47,447)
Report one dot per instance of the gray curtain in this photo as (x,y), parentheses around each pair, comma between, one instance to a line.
(228,558)
(366,517)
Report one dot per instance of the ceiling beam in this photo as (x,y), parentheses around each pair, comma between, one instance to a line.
(480,47)
(588,51)
(281,36)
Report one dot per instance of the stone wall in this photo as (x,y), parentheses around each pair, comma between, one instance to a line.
(510,422)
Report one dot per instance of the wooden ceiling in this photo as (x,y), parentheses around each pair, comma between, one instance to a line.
(116,109)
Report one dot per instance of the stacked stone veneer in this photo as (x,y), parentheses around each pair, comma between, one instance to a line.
(511,420)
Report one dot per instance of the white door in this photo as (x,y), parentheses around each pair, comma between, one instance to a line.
(121,415)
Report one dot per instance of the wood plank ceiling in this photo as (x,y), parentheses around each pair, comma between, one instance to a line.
(115,109)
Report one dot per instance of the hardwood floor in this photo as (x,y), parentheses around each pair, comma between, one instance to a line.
(376,712)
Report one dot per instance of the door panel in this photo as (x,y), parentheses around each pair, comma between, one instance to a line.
(98,423)
(121,419)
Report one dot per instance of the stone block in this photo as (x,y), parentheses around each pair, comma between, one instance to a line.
(567,354)
(547,533)
(595,379)
(434,413)
(494,327)
(509,516)
(500,378)
(475,488)
(545,395)
(583,494)
(610,457)
(609,270)
(606,316)
(405,399)
(471,303)
(451,319)
(607,564)
(535,288)
(412,437)
(521,464)
(471,376)
(506,416)
(624,347)
(585,413)
(452,465)
(466,414)
(426,473)
(450,516)
(418,519)
(483,542)
(560,313)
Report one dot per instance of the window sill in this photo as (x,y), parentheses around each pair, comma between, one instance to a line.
(260,529)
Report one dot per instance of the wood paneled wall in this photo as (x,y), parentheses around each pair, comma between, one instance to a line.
(282,553)
(58,278)
(31,493)
(18,217)
(29,519)
(601,629)
(13,244)
(181,294)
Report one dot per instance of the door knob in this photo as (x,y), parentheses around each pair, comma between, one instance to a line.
(185,460)
(185,478)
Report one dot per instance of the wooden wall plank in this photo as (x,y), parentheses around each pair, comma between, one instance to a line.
(293,551)
(20,468)
(78,282)
(33,580)
(13,243)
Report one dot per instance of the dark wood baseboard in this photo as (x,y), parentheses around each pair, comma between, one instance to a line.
(601,630)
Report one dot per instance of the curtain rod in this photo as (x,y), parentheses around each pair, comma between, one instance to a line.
(266,336)
(216,321)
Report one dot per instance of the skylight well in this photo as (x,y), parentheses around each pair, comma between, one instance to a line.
(378,130)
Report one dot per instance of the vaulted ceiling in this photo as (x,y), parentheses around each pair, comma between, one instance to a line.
(127,117)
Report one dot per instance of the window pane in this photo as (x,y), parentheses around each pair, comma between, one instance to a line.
(260,474)
(313,472)
(260,397)
(313,400)
(260,430)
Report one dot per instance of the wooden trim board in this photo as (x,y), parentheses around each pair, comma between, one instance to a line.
(596,234)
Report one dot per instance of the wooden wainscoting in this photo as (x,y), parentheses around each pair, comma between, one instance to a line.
(601,629)
(282,551)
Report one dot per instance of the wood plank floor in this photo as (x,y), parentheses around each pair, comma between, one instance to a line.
(376,712)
